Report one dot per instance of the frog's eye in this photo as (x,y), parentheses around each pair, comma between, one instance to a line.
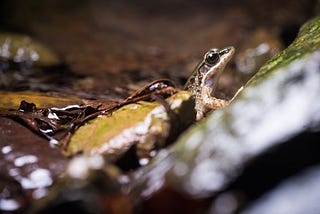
(212,57)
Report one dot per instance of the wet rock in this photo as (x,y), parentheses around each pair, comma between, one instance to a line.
(144,125)
(278,103)
(288,167)
(27,64)
(27,160)
(89,185)
(12,197)
(298,194)
(23,49)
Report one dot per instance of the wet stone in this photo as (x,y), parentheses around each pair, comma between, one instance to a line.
(28,159)
(273,122)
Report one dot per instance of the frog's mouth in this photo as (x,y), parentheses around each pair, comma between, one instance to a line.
(226,55)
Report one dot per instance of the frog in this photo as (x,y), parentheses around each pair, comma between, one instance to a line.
(204,78)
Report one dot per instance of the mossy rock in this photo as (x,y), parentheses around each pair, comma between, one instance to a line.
(280,102)
(20,47)
(12,100)
(145,123)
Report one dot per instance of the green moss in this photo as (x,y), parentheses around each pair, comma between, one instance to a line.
(307,41)
(12,100)
(102,129)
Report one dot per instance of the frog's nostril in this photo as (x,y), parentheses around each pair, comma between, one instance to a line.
(224,51)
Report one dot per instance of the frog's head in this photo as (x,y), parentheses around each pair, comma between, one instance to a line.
(207,71)
(216,59)
(214,62)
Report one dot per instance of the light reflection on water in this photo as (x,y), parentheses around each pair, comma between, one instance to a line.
(9,204)
(38,178)
(27,170)
(6,149)
(26,159)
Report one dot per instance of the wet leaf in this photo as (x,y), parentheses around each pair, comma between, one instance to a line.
(59,124)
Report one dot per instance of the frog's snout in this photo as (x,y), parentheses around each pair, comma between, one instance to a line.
(227,51)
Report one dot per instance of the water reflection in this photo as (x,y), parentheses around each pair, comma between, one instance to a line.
(8,204)
(26,159)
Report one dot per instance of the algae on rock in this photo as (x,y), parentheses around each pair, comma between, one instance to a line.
(146,124)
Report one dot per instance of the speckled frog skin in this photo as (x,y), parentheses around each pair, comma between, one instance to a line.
(204,78)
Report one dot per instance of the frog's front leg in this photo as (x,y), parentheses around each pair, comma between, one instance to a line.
(211,102)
